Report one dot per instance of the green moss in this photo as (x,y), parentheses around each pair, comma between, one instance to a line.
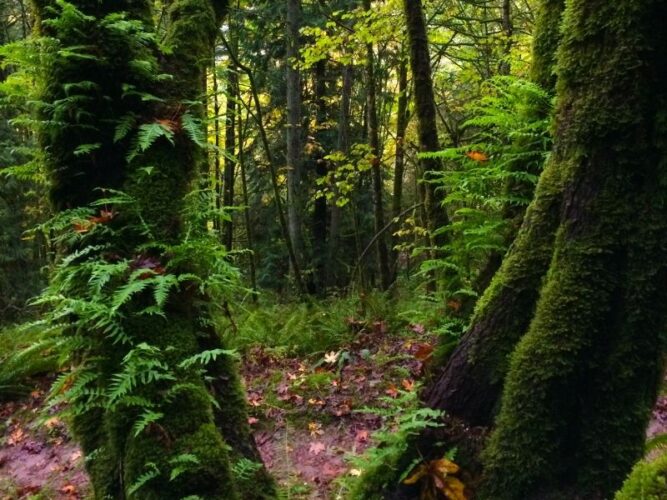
(582,381)
(647,481)
(545,42)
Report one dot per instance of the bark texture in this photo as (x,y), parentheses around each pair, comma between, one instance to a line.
(471,383)
(424,99)
(294,135)
(582,381)
(376,167)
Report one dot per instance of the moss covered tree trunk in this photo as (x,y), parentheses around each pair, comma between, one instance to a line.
(582,381)
(471,383)
(198,439)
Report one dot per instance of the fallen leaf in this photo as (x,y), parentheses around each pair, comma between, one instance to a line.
(343,409)
(362,436)
(477,156)
(331,357)
(16,436)
(315,429)
(392,391)
(424,352)
(316,448)
(82,227)
(52,422)
(68,489)
(408,384)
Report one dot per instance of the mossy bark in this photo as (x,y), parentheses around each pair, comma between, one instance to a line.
(207,420)
(471,383)
(582,381)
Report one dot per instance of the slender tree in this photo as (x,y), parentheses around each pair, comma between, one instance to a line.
(229,174)
(425,112)
(294,135)
(402,117)
(376,166)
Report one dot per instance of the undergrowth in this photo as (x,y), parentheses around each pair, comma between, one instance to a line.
(403,418)
(25,354)
(303,328)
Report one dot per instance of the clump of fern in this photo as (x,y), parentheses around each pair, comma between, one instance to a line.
(491,176)
(104,285)
(381,465)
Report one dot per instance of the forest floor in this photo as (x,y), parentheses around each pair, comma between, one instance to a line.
(312,414)
(304,412)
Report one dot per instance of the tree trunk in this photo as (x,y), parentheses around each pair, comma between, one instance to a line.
(472,380)
(230,156)
(582,381)
(295,195)
(199,415)
(420,62)
(399,163)
(252,258)
(320,167)
(376,167)
(505,66)
(344,147)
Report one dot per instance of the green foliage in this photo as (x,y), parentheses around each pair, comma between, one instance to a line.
(491,179)
(342,181)
(403,418)
(25,353)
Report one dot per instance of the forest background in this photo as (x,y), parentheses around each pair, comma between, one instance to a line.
(323,189)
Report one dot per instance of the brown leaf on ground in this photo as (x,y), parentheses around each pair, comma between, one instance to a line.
(16,437)
(68,489)
(316,448)
(392,391)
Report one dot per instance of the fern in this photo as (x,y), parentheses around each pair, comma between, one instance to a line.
(147,417)
(124,127)
(205,357)
(194,129)
(182,463)
(147,134)
(151,473)
(86,149)
(136,285)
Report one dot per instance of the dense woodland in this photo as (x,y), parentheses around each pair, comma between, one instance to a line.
(343,249)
